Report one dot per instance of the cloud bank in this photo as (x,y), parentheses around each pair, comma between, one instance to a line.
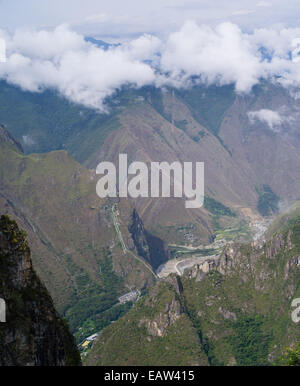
(64,61)
(270,117)
(275,120)
(84,73)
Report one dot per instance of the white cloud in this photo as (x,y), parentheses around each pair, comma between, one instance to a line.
(225,54)
(61,59)
(278,42)
(46,44)
(28,141)
(144,48)
(222,55)
(272,118)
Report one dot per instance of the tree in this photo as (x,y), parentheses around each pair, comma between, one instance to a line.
(291,357)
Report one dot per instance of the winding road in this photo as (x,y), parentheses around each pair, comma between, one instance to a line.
(179,266)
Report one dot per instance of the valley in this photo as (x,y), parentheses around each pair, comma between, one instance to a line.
(91,251)
(149,185)
(184,257)
(234,310)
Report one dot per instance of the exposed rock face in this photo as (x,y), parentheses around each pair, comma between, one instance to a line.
(151,248)
(157,331)
(176,283)
(232,311)
(6,137)
(137,231)
(227,314)
(39,192)
(199,271)
(34,334)
(160,324)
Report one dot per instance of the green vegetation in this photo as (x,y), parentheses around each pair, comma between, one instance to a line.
(64,221)
(201,134)
(154,96)
(50,122)
(291,357)
(37,332)
(206,344)
(181,124)
(97,322)
(217,208)
(82,293)
(209,104)
(250,344)
(285,219)
(239,231)
(178,346)
(238,314)
(176,252)
(98,305)
(46,121)
(268,201)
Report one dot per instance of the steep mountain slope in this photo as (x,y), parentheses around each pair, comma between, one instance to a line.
(33,334)
(279,223)
(256,172)
(249,164)
(44,122)
(147,136)
(270,151)
(240,308)
(156,332)
(75,248)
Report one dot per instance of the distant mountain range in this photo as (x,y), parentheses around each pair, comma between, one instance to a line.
(100,43)
(49,149)
(245,157)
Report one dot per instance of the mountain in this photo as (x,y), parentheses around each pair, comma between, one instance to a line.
(75,247)
(251,166)
(90,251)
(33,334)
(157,331)
(100,43)
(233,311)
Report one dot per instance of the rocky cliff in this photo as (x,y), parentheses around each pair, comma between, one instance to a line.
(235,311)
(156,332)
(150,247)
(69,228)
(6,137)
(33,334)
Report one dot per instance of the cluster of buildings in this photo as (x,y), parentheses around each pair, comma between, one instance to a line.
(131,296)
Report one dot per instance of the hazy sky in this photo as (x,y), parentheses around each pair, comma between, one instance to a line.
(123,18)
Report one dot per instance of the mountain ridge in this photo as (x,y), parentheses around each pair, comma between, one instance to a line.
(33,334)
(237,309)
